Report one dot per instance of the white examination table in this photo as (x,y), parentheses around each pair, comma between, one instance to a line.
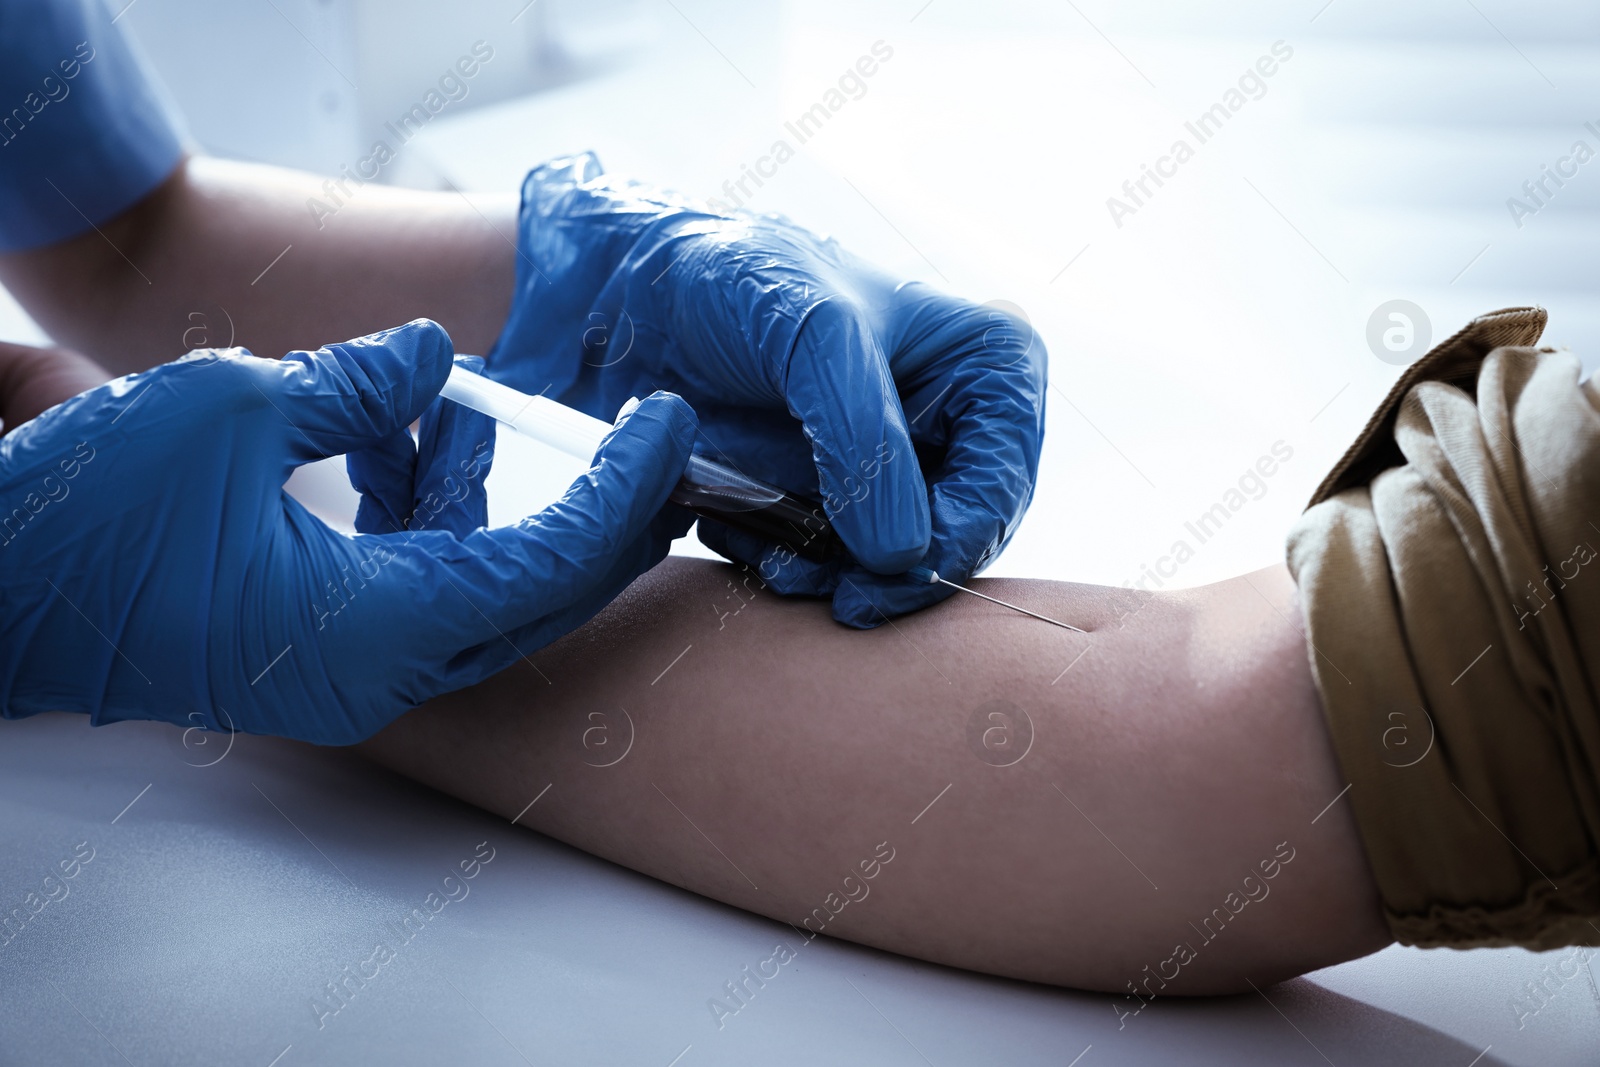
(221,899)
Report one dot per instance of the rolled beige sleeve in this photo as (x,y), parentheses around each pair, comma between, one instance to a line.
(1449,573)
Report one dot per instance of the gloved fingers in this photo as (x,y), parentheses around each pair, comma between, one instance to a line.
(979,494)
(777,566)
(937,333)
(648,549)
(865,600)
(455,448)
(840,387)
(385,474)
(346,396)
(502,579)
(969,531)
(979,395)
(993,432)
(436,482)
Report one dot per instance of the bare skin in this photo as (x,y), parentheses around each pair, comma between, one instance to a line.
(194,265)
(32,379)
(1175,748)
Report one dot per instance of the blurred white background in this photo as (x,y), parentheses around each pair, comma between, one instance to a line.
(1227,314)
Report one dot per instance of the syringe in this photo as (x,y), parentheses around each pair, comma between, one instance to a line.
(708,488)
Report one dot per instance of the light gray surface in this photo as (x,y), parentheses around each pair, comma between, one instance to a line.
(226,897)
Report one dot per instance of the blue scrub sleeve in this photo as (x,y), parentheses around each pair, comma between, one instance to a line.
(83,130)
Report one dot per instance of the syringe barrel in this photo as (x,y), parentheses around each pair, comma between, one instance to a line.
(716,491)
(709,488)
(564,429)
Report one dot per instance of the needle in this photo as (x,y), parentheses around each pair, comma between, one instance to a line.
(924,574)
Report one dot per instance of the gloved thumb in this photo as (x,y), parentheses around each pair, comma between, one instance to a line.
(347,396)
(506,578)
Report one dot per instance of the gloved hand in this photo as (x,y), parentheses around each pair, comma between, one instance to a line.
(151,565)
(436,482)
(915,417)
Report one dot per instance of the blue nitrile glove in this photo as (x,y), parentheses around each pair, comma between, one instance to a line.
(914,416)
(437,482)
(433,483)
(152,567)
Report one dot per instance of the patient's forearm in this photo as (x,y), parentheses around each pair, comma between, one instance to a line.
(745,747)
(226,253)
(33,379)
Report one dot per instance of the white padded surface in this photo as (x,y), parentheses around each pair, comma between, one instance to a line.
(227,896)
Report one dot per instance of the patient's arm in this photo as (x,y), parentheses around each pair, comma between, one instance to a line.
(773,754)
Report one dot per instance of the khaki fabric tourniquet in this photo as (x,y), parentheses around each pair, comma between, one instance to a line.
(1449,573)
